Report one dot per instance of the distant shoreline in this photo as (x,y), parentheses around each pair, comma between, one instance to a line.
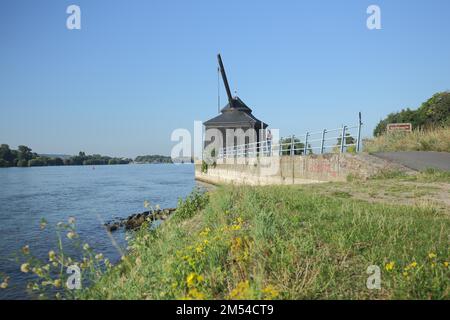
(25,157)
(101,165)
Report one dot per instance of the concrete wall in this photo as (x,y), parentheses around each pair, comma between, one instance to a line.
(293,169)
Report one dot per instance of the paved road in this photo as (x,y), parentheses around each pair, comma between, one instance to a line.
(418,160)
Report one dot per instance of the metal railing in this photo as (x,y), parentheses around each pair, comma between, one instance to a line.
(345,138)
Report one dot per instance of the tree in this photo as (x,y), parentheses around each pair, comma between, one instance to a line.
(24,153)
(348,140)
(37,162)
(299,147)
(434,112)
(4,163)
(6,155)
(54,162)
(22,163)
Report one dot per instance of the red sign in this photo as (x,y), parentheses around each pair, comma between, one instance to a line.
(399,127)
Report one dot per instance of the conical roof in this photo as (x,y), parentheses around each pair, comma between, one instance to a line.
(235,116)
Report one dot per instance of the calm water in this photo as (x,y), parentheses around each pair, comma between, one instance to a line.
(86,193)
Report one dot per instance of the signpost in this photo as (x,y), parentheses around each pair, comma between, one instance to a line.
(403,127)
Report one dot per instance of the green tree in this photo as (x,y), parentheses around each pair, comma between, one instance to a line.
(4,163)
(22,163)
(24,153)
(37,162)
(299,147)
(6,155)
(434,112)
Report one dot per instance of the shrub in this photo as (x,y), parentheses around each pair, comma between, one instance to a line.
(191,205)
(204,167)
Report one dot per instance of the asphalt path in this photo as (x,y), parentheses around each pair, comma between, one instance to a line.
(418,160)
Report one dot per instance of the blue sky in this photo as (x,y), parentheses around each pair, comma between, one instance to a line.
(139,69)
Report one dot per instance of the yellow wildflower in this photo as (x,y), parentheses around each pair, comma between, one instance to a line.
(25,267)
(57,283)
(390,266)
(199,249)
(241,291)
(236,227)
(195,294)
(51,255)
(205,232)
(270,292)
(413,264)
(190,279)
(432,255)
(445,264)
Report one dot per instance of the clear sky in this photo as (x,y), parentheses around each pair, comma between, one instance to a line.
(139,69)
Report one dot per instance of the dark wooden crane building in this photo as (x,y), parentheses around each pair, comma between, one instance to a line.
(235,115)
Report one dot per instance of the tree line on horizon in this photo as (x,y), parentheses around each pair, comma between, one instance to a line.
(433,113)
(25,157)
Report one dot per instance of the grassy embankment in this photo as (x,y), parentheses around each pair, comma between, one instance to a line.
(437,139)
(295,242)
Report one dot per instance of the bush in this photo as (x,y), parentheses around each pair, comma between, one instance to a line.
(22,163)
(191,205)
(204,167)
(4,163)
(38,162)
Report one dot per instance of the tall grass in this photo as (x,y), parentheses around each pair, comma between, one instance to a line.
(437,139)
(285,242)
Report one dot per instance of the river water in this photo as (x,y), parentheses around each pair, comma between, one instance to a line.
(92,195)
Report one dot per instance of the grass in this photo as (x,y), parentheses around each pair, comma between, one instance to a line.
(419,140)
(286,242)
(428,175)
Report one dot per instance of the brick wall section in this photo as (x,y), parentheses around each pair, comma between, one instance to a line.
(294,169)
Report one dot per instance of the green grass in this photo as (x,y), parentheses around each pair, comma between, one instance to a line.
(284,242)
(428,175)
(437,139)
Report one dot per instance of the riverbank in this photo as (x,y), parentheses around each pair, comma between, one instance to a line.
(294,242)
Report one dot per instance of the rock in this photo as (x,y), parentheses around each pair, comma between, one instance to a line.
(112,227)
(134,221)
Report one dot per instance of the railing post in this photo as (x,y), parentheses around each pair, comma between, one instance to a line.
(292,145)
(358,142)
(343,139)
(305,148)
(322,144)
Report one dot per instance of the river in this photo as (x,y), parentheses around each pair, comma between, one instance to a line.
(91,195)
